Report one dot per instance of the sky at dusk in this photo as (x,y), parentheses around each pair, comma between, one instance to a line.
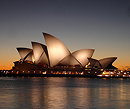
(103,25)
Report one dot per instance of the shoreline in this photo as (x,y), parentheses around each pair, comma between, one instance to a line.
(58,75)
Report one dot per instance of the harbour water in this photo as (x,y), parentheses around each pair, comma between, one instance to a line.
(64,93)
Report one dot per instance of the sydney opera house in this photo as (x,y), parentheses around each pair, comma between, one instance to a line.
(56,58)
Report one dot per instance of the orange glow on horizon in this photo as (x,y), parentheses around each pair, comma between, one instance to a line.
(6,66)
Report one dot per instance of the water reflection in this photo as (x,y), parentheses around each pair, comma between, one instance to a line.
(64,93)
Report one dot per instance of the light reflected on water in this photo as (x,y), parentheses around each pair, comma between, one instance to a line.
(64,93)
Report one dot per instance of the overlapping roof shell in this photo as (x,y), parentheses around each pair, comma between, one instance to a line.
(55,52)
(102,63)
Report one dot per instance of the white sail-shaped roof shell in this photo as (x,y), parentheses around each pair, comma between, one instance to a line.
(102,63)
(107,61)
(83,55)
(56,49)
(25,53)
(70,60)
(40,53)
